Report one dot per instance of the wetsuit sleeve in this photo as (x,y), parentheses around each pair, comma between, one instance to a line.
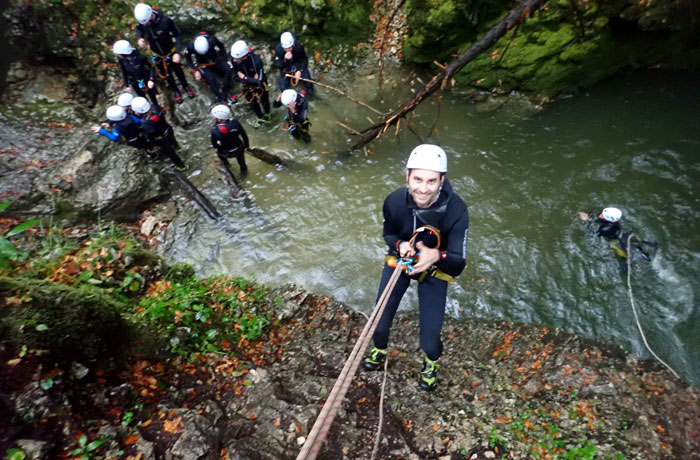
(215,42)
(214,140)
(125,74)
(303,59)
(279,58)
(139,31)
(244,136)
(259,68)
(113,136)
(176,34)
(390,230)
(191,57)
(456,253)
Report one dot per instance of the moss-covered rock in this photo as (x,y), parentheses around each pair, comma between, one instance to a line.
(71,322)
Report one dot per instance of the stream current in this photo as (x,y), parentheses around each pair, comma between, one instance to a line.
(631,142)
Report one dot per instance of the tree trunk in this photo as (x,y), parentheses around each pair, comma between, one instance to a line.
(514,17)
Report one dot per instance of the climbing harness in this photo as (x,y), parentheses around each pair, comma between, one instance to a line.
(634,309)
(157,60)
(292,79)
(201,66)
(319,431)
(252,93)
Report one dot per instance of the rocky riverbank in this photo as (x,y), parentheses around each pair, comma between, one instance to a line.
(506,391)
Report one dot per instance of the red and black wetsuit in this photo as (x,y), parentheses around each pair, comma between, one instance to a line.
(161,137)
(230,140)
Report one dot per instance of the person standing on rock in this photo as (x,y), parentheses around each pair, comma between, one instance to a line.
(137,70)
(207,57)
(159,30)
(228,137)
(160,137)
(123,127)
(291,59)
(248,70)
(428,220)
(297,113)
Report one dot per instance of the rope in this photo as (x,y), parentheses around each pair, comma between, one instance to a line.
(378,436)
(634,309)
(319,431)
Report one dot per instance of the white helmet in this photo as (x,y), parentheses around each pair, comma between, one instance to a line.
(612,214)
(140,105)
(122,47)
(428,156)
(221,112)
(201,44)
(287,40)
(239,49)
(124,99)
(288,96)
(116,113)
(142,13)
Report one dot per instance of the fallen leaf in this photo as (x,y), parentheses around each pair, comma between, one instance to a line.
(131,439)
(173,426)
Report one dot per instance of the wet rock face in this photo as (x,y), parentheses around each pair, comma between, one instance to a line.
(52,163)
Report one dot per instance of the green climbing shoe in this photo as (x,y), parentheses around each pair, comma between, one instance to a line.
(267,118)
(428,376)
(375,359)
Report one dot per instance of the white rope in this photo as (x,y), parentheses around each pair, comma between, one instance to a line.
(634,309)
(378,436)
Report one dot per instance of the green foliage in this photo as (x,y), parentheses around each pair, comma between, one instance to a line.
(8,251)
(86,450)
(15,454)
(80,322)
(206,315)
(436,29)
(81,34)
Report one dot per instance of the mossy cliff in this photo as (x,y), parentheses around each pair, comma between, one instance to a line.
(568,44)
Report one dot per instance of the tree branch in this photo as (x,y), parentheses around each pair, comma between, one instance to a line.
(514,17)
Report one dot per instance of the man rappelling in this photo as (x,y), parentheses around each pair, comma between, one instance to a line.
(248,70)
(207,57)
(425,225)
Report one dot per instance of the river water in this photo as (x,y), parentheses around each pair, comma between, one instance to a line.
(631,142)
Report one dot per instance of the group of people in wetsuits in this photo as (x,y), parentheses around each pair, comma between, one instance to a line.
(140,121)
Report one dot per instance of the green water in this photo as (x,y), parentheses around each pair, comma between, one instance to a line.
(632,142)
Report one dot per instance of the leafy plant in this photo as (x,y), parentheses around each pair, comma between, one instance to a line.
(15,454)
(8,251)
(85,449)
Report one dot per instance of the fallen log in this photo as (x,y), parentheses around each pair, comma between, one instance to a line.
(267,157)
(515,16)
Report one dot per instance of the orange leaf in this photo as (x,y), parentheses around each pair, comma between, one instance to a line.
(240,295)
(173,426)
(436,428)
(131,439)
(147,422)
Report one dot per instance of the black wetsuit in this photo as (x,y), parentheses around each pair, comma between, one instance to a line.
(612,231)
(159,34)
(136,72)
(214,62)
(256,88)
(160,137)
(402,217)
(230,140)
(298,121)
(299,61)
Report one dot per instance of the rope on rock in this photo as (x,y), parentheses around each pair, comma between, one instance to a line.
(378,436)
(319,431)
(634,309)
